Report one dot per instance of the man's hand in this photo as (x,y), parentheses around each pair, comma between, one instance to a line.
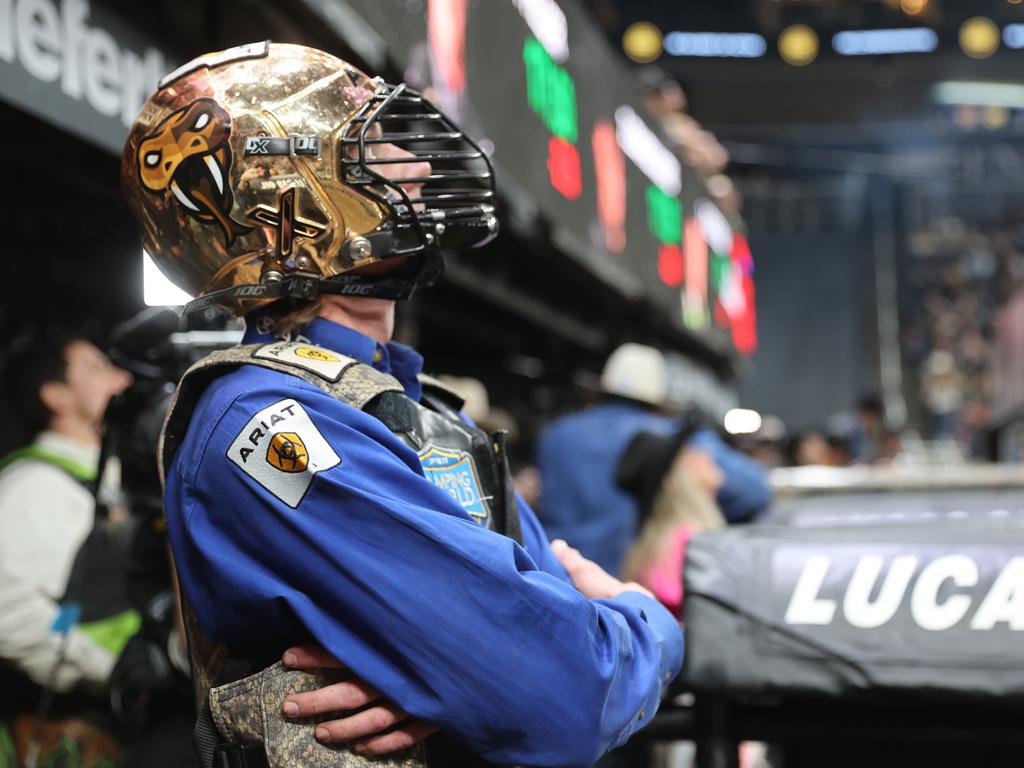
(591,579)
(363,729)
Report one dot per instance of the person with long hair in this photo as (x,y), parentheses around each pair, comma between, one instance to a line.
(675,485)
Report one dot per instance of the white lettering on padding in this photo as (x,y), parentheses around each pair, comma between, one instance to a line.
(1005,601)
(924,601)
(857,605)
(805,607)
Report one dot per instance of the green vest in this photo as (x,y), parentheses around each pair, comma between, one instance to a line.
(97,579)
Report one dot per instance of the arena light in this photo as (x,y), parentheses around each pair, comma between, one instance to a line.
(969,93)
(740,45)
(1013,36)
(645,149)
(642,42)
(157,290)
(979,37)
(798,45)
(873,42)
(742,421)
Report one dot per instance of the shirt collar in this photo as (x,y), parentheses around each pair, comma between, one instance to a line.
(402,362)
(82,454)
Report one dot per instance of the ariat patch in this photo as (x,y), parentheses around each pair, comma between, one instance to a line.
(282,450)
(324,363)
(455,472)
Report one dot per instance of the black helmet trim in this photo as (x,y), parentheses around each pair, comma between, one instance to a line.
(425,270)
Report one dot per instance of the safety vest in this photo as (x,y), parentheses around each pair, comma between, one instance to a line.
(77,730)
(246,708)
(97,582)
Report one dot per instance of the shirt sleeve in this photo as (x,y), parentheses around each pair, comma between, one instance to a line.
(536,543)
(28,641)
(456,624)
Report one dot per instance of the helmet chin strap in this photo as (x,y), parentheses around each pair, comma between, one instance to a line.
(423,271)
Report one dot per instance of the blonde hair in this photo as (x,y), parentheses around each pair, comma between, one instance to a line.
(680,501)
(287,319)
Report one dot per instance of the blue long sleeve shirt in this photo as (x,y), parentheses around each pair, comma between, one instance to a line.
(458,625)
(578,456)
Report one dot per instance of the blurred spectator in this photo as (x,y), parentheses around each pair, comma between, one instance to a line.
(529,484)
(808,447)
(478,408)
(477,405)
(578,454)
(867,432)
(766,446)
(674,485)
(942,393)
(64,613)
(839,454)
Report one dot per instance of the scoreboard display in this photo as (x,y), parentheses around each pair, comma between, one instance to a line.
(538,85)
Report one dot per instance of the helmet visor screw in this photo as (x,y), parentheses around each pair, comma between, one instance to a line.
(360,248)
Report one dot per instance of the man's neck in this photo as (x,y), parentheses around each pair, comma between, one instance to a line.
(373,317)
(76,431)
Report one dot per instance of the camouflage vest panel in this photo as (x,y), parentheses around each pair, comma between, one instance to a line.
(459,458)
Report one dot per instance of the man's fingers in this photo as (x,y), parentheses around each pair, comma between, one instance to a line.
(569,557)
(369,722)
(339,697)
(306,656)
(400,738)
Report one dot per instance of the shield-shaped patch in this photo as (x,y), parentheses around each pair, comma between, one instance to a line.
(455,472)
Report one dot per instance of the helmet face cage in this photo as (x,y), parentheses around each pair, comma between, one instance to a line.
(455,204)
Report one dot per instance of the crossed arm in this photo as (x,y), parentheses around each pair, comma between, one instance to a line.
(380,726)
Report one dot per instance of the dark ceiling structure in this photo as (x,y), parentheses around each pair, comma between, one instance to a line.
(840,99)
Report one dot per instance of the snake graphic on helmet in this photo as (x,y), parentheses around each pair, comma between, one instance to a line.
(189,152)
(277,170)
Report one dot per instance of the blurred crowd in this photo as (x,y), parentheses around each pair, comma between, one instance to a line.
(958,279)
(961,276)
(858,436)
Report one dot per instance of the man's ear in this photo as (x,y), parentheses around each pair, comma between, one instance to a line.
(54,395)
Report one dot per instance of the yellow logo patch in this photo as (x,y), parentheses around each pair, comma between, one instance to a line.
(313,353)
(287,453)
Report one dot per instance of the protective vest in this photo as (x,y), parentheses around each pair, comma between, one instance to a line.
(240,722)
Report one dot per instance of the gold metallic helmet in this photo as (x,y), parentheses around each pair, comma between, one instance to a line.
(269,171)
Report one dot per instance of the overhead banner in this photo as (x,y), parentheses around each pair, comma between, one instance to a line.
(78,66)
(536,82)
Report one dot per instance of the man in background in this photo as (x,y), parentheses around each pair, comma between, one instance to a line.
(53,550)
(578,455)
